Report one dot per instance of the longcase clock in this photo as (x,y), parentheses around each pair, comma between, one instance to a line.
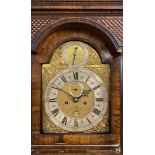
(76,89)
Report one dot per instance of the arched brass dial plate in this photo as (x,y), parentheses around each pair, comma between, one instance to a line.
(75,91)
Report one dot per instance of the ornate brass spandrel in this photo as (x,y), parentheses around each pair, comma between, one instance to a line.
(48,72)
(57,65)
(102,127)
(57,58)
(103,71)
(50,127)
(93,57)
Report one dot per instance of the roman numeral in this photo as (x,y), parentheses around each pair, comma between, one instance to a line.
(96,87)
(55,112)
(88,78)
(75,75)
(96,111)
(88,120)
(75,123)
(64,121)
(52,100)
(63,79)
(99,99)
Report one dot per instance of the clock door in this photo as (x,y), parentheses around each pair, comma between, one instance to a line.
(76,89)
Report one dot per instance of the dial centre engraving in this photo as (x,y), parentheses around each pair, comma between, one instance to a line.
(76,108)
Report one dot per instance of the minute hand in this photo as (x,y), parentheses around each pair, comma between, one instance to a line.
(63,91)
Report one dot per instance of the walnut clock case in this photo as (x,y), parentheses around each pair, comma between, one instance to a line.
(76,89)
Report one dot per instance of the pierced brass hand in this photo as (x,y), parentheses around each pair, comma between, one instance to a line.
(84,93)
(63,91)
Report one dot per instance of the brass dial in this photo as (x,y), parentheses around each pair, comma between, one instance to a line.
(76,99)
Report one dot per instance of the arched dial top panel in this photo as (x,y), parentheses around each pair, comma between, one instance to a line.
(75,90)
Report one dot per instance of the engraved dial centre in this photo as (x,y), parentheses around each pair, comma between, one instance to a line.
(76,107)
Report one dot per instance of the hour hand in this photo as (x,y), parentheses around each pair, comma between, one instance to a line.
(86,92)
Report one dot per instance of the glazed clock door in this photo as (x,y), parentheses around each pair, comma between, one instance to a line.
(75,91)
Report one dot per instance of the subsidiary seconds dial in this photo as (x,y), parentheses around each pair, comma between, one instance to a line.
(75,53)
(76,99)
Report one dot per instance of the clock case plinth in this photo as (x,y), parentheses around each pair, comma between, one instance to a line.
(45,42)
